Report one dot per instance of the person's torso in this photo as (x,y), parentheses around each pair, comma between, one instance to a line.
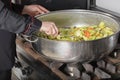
(7,46)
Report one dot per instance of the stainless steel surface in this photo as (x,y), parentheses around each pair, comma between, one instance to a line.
(66,51)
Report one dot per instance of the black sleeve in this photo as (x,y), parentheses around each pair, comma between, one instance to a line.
(15,23)
(17,8)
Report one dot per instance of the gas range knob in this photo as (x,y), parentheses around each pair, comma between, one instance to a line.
(27,71)
(18,64)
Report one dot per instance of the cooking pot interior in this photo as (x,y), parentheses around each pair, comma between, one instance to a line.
(81,18)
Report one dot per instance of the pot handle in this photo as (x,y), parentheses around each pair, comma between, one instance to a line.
(30,39)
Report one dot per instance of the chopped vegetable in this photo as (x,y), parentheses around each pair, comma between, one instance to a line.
(81,33)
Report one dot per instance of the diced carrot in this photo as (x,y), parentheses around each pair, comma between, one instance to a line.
(87,33)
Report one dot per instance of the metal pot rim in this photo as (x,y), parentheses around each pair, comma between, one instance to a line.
(81,10)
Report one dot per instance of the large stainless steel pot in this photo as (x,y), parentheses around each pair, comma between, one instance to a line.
(66,51)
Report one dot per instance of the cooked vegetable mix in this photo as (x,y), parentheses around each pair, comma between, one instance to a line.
(81,33)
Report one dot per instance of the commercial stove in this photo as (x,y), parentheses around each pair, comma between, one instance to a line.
(32,65)
(36,67)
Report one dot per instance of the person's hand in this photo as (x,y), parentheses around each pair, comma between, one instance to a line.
(34,10)
(49,28)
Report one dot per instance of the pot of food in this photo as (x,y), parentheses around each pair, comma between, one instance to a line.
(79,50)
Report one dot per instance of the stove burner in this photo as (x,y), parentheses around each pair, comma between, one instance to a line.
(105,69)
